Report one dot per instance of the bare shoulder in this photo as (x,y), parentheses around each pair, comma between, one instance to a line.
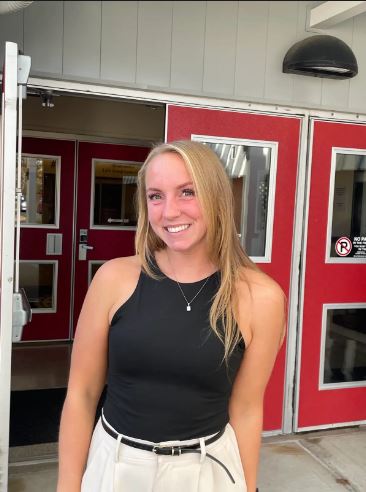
(126,268)
(263,288)
(120,277)
(262,302)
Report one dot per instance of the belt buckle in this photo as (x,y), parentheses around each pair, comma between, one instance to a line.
(155,448)
(175,450)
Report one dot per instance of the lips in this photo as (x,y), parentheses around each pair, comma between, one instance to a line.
(179,228)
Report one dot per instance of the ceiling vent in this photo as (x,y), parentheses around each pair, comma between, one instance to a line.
(321,56)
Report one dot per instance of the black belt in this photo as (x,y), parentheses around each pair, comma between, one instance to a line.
(170,450)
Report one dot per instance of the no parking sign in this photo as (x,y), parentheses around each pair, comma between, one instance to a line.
(345,246)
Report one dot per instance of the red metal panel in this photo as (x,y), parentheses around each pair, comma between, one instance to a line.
(186,121)
(52,326)
(327,283)
(107,244)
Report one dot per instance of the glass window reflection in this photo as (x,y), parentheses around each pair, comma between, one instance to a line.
(345,346)
(37,279)
(115,185)
(349,207)
(248,168)
(39,191)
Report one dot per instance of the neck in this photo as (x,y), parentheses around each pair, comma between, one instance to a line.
(185,266)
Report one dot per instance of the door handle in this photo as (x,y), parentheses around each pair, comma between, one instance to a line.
(83,248)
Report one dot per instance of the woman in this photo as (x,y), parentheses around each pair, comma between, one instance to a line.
(186,332)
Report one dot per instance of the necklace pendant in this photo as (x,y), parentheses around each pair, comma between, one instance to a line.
(188,307)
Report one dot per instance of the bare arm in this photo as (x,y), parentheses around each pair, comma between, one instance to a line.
(86,381)
(246,403)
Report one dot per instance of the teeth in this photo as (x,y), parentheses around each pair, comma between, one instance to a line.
(177,229)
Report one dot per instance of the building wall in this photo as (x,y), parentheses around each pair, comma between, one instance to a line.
(227,49)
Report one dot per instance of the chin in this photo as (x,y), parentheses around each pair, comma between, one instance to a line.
(183,246)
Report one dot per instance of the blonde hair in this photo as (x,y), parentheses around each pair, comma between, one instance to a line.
(225,251)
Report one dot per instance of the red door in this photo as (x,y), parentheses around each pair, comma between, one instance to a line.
(46,235)
(260,154)
(106,218)
(332,387)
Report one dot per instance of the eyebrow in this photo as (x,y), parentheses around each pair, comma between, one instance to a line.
(189,183)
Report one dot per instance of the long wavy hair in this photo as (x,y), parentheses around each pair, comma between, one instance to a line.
(216,199)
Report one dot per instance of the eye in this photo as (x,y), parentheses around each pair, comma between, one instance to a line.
(188,192)
(154,196)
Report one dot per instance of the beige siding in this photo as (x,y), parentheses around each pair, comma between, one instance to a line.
(11,29)
(227,49)
(82,38)
(43,36)
(250,68)
(220,48)
(357,97)
(119,41)
(154,43)
(188,44)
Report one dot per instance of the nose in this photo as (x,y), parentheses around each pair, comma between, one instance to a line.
(171,208)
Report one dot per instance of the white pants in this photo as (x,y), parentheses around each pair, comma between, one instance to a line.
(116,467)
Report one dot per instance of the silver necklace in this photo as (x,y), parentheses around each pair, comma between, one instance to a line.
(190,302)
(188,308)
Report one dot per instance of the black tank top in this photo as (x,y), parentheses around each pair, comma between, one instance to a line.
(166,376)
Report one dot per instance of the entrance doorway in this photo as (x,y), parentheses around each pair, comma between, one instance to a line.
(260,155)
(332,382)
(78,181)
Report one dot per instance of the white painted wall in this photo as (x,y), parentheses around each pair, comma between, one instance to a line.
(225,49)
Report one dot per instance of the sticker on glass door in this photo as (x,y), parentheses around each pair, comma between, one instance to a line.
(347,206)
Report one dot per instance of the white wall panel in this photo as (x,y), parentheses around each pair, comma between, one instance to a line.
(251,49)
(82,38)
(281,36)
(357,97)
(188,38)
(119,41)
(220,47)
(154,43)
(215,48)
(43,36)
(11,29)
(335,92)
(306,90)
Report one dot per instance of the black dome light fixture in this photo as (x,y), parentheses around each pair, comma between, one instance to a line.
(321,56)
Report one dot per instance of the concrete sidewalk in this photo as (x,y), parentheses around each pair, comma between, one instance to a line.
(324,461)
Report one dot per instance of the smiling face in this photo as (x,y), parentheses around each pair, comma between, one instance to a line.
(174,211)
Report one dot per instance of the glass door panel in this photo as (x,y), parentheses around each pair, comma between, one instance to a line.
(348,194)
(114,185)
(345,346)
(251,168)
(40,191)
